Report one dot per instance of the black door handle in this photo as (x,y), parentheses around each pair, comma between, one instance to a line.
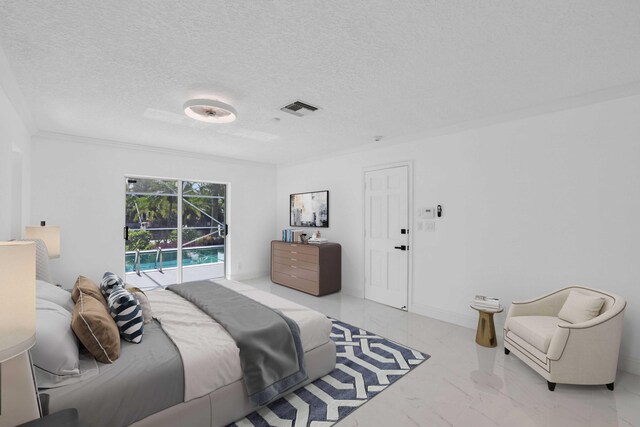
(401,247)
(126,232)
(226,229)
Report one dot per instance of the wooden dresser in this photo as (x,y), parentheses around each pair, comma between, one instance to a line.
(314,269)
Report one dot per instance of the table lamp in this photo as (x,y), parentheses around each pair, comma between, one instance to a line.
(18,401)
(49,234)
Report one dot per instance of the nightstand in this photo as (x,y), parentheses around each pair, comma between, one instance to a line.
(64,418)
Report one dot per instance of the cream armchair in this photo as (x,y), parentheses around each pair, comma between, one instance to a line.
(562,352)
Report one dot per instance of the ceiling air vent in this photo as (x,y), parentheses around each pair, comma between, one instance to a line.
(299,108)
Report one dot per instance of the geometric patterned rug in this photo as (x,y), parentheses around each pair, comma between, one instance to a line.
(366,364)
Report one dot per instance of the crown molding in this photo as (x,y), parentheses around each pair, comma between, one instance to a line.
(77,139)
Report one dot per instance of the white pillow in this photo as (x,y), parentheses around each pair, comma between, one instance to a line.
(56,351)
(579,307)
(56,295)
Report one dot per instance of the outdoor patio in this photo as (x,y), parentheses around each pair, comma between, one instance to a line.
(153,279)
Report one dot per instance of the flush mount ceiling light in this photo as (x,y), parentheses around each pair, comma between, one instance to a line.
(210,111)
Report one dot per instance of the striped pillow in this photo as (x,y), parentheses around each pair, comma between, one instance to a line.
(109,280)
(126,311)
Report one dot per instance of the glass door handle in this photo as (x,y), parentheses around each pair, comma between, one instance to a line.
(126,232)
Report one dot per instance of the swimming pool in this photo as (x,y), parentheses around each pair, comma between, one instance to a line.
(190,256)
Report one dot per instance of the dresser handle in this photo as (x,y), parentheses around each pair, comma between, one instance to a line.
(293,266)
(293,259)
(295,277)
(294,252)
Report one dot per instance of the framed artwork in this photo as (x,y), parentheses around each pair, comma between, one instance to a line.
(309,209)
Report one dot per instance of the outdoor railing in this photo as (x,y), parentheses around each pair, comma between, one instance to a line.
(159,256)
(158,259)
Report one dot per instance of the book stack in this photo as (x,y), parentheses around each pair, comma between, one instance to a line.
(292,236)
(489,303)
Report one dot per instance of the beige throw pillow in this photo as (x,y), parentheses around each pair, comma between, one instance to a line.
(579,307)
(147,314)
(89,288)
(95,328)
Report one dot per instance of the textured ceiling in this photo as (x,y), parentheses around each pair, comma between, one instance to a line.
(121,70)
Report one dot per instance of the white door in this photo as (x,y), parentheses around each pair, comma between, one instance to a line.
(386,236)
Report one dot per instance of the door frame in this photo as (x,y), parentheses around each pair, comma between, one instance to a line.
(227,205)
(372,168)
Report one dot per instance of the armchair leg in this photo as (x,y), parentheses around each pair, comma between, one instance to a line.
(552,386)
(610,386)
(506,351)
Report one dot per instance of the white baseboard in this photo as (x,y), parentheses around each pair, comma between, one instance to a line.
(246,276)
(356,293)
(468,321)
(630,364)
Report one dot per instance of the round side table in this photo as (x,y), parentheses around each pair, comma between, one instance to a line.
(486,334)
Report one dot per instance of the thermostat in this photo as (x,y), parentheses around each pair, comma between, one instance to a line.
(427,213)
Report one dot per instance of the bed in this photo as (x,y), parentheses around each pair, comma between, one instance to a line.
(186,371)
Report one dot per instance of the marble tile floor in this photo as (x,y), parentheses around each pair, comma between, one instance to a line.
(464,384)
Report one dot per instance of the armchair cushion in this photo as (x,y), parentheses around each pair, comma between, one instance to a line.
(580,308)
(536,330)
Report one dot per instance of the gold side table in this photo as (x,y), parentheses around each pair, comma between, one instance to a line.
(486,334)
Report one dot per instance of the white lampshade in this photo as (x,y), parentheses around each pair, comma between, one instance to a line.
(49,234)
(17,298)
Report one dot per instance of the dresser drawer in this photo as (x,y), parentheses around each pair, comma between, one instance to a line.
(296,248)
(293,270)
(295,256)
(303,249)
(308,286)
(295,262)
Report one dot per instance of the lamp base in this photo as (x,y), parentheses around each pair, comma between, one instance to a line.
(18,393)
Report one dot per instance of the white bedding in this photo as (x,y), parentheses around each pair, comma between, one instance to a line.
(209,354)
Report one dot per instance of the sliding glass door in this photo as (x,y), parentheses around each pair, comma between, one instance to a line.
(203,230)
(151,227)
(154,209)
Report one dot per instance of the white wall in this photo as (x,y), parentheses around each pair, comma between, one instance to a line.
(79,185)
(529,206)
(15,142)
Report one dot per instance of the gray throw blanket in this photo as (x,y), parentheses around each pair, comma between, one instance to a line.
(271,352)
